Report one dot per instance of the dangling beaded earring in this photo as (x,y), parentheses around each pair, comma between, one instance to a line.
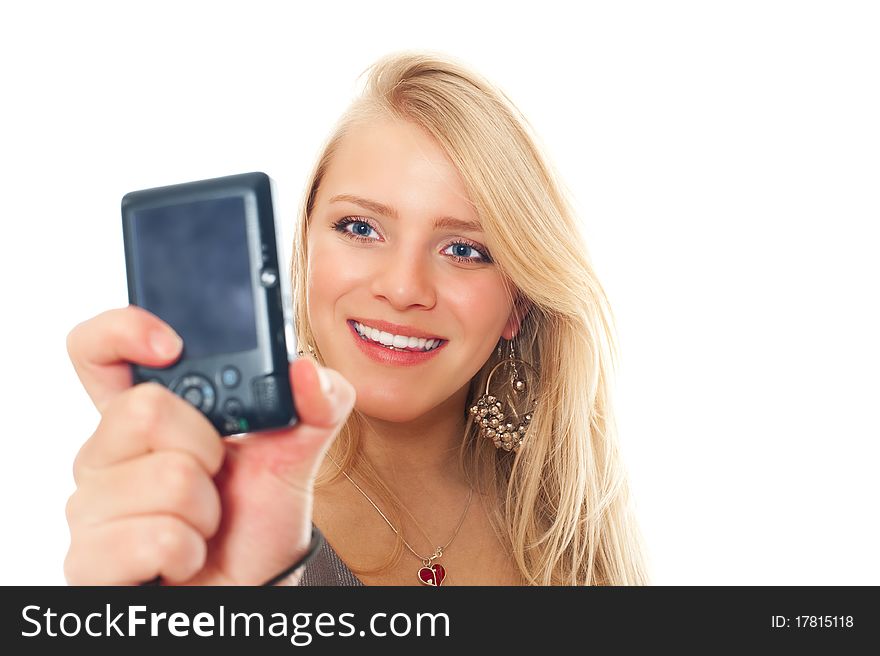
(506,431)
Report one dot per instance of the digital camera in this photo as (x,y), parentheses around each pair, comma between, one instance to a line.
(202,256)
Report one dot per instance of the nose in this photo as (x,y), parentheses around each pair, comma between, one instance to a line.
(403,278)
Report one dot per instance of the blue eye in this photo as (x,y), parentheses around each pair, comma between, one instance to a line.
(460,250)
(362,229)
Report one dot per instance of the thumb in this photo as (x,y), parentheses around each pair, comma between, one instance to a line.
(323,399)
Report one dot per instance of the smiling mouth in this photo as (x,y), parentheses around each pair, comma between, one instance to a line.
(388,341)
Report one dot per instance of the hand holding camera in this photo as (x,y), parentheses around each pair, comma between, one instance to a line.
(200,353)
(160,494)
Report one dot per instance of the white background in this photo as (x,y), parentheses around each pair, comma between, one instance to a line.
(724,157)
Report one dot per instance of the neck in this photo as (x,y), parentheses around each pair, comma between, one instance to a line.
(419,461)
(421,452)
(419,457)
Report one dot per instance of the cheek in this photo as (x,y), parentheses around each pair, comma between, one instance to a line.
(317,274)
(481,305)
(323,285)
(326,278)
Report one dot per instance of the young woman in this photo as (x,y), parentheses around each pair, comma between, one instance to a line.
(463,434)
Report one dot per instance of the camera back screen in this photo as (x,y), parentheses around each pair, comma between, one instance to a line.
(195,273)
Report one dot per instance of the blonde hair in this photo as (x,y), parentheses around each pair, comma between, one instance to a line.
(563,506)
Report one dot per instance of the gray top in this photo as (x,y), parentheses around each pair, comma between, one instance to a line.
(327,568)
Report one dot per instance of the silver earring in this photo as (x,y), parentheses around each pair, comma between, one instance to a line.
(300,353)
(506,426)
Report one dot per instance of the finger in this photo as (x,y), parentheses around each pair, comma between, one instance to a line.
(102,348)
(135,549)
(322,404)
(165,482)
(147,418)
(294,454)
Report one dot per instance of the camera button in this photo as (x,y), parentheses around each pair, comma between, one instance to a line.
(233,408)
(267,394)
(194,396)
(230,377)
(268,278)
(198,391)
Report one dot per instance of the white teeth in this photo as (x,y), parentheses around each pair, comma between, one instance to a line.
(396,341)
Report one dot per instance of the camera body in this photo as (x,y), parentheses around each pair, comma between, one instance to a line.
(203,257)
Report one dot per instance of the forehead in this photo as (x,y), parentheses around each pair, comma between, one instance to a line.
(399,164)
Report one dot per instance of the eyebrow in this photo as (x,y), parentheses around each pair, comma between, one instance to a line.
(440,222)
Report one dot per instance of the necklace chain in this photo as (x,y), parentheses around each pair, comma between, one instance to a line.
(438,552)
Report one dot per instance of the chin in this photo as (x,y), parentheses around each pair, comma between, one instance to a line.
(402,406)
(391,411)
(389,406)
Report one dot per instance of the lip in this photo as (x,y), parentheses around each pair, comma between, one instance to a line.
(396,328)
(386,356)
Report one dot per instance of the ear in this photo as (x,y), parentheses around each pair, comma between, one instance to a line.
(514,321)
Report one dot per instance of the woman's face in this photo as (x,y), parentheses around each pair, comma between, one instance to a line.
(376,255)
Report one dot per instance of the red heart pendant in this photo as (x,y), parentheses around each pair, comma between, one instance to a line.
(432,575)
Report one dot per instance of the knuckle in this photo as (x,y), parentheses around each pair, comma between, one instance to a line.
(172,541)
(71,341)
(215,453)
(71,509)
(213,512)
(78,467)
(71,567)
(213,521)
(76,336)
(144,407)
(179,477)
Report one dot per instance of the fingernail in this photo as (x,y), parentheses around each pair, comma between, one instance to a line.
(165,343)
(324,378)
